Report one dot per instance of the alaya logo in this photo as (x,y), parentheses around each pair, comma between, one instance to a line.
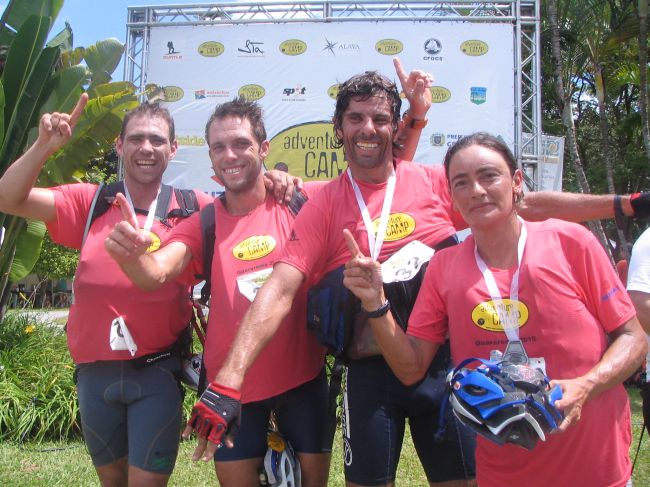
(252,48)
(432,47)
(336,47)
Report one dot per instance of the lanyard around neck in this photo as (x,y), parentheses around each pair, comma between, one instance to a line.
(152,208)
(507,317)
(375,242)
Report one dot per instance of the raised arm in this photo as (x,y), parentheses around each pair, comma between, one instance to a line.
(622,357)
(416,87)
(128,245)
(18,196)
(408,356)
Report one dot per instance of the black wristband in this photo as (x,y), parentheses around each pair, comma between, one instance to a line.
(619,217)
(379,312)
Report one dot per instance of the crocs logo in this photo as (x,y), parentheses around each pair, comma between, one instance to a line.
(486,315)
(254,247)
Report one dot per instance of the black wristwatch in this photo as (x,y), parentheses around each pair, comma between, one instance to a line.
(379,312)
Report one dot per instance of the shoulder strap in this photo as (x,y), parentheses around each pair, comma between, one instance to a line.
(208,228)
(187,203)
(101,201)
(163,201)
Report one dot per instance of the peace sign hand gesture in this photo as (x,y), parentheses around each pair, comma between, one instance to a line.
(362,276)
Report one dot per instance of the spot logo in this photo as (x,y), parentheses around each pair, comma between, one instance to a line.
(173,93)
(252,92)
(211,49)
(293,47)
(440,94)
(389,47)
(486,315)
(400,225)
(254,247)
(474,47)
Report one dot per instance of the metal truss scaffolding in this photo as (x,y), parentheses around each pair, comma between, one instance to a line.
(523,14)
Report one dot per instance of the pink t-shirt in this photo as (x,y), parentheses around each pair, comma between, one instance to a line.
(421,210)
(102,292)
(246,245)
(569,298)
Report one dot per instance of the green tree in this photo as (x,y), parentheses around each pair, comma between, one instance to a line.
(41,77)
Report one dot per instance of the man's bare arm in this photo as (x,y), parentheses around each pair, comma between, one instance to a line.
(641,302)
(270,306)
(18,196)
(575,207)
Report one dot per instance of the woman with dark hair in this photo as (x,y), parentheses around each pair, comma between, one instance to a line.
(546,285)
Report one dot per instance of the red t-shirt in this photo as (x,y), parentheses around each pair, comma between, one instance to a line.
(421,210)
(246,245)
(569,299)
(102,292)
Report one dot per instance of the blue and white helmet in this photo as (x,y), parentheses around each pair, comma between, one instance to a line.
(504,402)
(282,467)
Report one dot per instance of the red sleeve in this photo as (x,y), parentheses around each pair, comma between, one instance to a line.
(188,232)
(440,187)
(72,202)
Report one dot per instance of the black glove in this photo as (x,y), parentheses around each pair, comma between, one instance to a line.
(641,204)
(217,413)
(645,398)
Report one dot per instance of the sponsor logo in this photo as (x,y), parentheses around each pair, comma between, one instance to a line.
(211,49)
(389,47)
(400,225)
(201,94)
(432,47)
(173,93)
(252,92)
(474,48)
(478,95)
(437,139)
(440,94)
(251,49)
(171,49)
(297,93)
(486,315)
(333,90)
(344,48)
(254,247)
(308,150)
(155,241)
(293,47)
(192,140)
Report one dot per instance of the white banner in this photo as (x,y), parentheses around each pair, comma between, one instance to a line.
(293,71)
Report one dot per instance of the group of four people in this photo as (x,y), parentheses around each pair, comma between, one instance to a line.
(258,351)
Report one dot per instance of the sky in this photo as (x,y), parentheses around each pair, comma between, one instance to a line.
(95,20)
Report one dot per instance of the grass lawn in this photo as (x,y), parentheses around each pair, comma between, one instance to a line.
(70,466)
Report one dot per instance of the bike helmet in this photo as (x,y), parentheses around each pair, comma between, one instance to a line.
(282,468)
(191,370)
(504,402)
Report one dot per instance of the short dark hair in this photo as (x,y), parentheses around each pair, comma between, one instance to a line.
(244,109)
(150,110)
(363,86)
(482,139)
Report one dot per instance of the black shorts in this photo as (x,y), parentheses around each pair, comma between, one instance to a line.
(376,405)
(302,418)
(131,411)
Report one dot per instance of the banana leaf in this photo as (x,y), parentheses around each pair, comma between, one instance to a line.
(21,60)
(102,58)
(18,11)
(28,249)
